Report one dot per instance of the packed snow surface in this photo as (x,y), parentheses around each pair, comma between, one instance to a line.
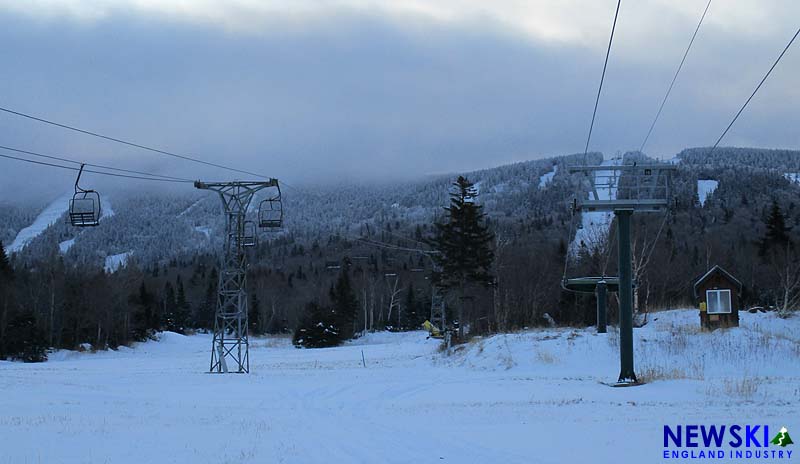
(49,216)
(792,177)
(705,188)
(528,397)
(115,262)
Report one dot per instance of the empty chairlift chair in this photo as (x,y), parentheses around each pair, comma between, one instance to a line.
(249,238)
(270,211)
(84,208)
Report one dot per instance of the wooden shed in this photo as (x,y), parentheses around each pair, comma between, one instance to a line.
(718,294)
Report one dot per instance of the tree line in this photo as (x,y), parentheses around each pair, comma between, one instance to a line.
(749,225)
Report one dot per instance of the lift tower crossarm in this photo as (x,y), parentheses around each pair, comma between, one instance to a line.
(230,321)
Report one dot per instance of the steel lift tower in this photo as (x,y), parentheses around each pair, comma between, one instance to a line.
(623,190)
(230,341)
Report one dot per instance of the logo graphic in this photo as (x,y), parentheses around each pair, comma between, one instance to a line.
(782,439)
(725,441)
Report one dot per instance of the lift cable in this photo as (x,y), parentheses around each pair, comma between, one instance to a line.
(602,78)
(71,168)
(58,158)
(589,137)
(393,247)
(403,237)
(568,251)
(674,78)
(754,91)
(305,191)
(125,142)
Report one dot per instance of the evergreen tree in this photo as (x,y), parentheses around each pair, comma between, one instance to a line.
(464,244)
(169,307)
(182,308)
(144,316)
(318,328)
(205,314)
(463,240)
(26,341)
(5,266)
(6,275)
(344,304)
(777,234)
(410,316)
(254,315)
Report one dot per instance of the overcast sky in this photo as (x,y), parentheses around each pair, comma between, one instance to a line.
(312,89)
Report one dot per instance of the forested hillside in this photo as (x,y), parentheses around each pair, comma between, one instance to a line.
(63,290)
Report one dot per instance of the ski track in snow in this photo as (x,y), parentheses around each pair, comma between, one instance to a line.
(705,187)
(49,216)
(528,397)
(547,177)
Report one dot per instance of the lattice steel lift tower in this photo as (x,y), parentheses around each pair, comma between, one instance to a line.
(230,321)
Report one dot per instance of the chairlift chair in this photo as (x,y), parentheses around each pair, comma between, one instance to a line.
(270,211)
(249,237)
(84,207)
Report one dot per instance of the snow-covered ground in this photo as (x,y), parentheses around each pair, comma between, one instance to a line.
(547,177)
(52,213)
(595,224)
(63,247)
(205,230)
(705,187)
(191,207)
(527,397)
(115,262)
(107,209)
(792,177)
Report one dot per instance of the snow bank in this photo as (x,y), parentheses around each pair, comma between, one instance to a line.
(706,187)
(383,338)
(671,346)
(49,216)
(115,262)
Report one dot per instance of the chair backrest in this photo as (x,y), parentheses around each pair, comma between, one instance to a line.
(270,213)
(84,209)
(249,238)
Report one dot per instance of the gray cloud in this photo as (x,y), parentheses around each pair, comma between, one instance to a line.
(364,94)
